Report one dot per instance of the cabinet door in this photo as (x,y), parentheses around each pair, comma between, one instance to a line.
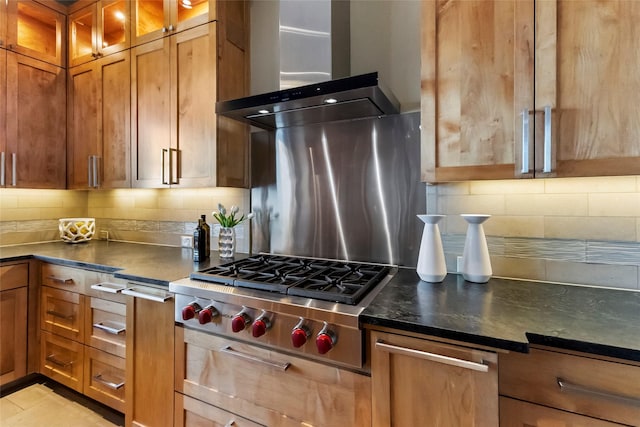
(419,382)
(4,155)
(187,14)
(13,340)
(62,360)
(106,326)
(516,413)
(585,73)
(82,35)
(151,114)
(113,33)
(62,313)
(36,148)
(192,412)
(3,24)
(193,157)
(104,378)
(477,78)
(150,358)
(36,31)
(150,20)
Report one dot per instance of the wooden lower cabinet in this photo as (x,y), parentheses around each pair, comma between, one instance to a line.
(267,387)
(62,313)
(516,413)
(14,280)
(61,359)
(104,378)
(419,382)
(194,413)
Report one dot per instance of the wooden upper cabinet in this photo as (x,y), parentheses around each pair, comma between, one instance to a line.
(476,79)
(3,24)
(586,69)
(153,19)
(4,155)
(98,30)
(36,123)
(98,146)
(36,30)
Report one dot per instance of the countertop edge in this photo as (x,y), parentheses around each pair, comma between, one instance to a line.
(584,347)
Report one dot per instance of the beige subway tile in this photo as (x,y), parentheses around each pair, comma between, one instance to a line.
(451,188)
(546,204)
(518,268)
(486,204)
(508,186)
(8,199)
(146,199)
(75,199)
(601,184)
(614,204)
(40,199)
(590,228)
(20,214)
(616,276)
(638,229)
(515,226)
(57,213)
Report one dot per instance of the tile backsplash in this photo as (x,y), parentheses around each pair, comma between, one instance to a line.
(570,230)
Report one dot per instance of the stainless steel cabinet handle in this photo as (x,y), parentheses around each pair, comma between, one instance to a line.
(112,288)
(14,160)
(546,167)
(174,163)
(109,329)
(171,27)
(165,151)
(61,315)
(59,280)
(111,385)
(2,169)
(53,359)
(151,296)
(90,175)
(96,174)
(164,29)
(231,423)
(525,141)
(433,357)
(568,387)
(254,359)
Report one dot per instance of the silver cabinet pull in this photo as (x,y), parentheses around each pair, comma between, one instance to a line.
(112,288)
(174,164)
(568,387)
(148,294)
(53,359)
(96,174)
(432,357)
(231,423)
(14,179)
(117,330)
(164,29)
(249,358)
(61,315)
(111,385)
(546,167)
(2,169)
(525,141)
(90,174)
(59,280)
(165,151)
(171,27)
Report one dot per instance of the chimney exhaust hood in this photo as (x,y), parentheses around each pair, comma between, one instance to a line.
(347,98)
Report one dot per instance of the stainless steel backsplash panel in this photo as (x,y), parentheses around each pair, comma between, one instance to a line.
(346,190)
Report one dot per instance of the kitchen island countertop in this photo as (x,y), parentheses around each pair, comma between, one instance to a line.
(511,314)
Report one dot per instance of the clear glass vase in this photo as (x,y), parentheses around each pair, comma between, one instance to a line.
(227,242)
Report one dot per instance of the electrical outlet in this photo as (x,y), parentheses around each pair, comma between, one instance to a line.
(186,241)
(459,264)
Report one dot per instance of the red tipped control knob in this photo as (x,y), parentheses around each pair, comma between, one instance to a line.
(189,311)
(239,322)
(259,328)
(299,337)
(325,340)
(207,314)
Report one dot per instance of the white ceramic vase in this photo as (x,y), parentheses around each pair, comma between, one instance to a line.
(476,264)
(431,265)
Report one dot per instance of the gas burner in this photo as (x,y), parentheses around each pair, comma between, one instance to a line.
(329,280)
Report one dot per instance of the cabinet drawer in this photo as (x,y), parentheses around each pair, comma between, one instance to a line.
(268,387)
(67,278)
(192,412)
(61,313)
(106,325)
(516,413)
(104,377)
(61,359)
(14,276)
(593,387)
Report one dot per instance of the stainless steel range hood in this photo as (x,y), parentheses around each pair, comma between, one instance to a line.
(341,99)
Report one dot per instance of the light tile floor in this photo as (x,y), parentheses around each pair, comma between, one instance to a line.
(38,405)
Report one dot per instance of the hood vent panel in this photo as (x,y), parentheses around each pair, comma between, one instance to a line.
(342,99)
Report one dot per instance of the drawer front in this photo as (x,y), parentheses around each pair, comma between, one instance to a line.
(269,387)
(192,412)
(516,413)
(583,385)
(67,278)
(105,325)
(62,313)
(61,359)
(104,378)
(14,276)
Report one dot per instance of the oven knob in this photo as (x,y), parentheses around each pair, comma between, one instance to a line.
(260,325)
(189,311)
(207,314)
(239,322)
(325,340)
(300,334)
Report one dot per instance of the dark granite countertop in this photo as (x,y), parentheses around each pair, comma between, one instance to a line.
(511,314)
(151,264)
